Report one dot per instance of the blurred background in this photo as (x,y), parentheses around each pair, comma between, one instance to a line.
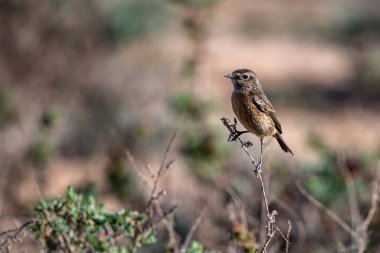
(83,81)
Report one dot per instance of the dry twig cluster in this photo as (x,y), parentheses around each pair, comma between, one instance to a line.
(359,226)
(155,204)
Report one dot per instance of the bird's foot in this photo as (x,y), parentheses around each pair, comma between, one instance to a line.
(233,136)
(258,168)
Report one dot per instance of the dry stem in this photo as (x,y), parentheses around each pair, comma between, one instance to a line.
(270,216)
(360,232)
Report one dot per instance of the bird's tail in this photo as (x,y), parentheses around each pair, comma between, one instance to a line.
(282,143)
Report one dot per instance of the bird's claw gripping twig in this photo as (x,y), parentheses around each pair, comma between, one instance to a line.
(234,135)
(258,168)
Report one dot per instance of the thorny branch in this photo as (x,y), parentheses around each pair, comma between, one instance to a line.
(271,215)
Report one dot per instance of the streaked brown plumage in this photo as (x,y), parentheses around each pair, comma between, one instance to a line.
(252,107)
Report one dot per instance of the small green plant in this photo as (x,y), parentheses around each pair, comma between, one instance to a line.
(77,224)
(204,151)
(202,145)
(195,247)
(131,19)
(122,182)
(187,104)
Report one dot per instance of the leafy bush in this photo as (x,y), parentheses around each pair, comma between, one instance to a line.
(78,224)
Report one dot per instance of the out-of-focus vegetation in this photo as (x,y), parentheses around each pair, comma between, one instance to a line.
(202,145)
(82,82)
(7,109)
(77,223)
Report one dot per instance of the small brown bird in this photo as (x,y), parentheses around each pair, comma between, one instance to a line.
(253,108)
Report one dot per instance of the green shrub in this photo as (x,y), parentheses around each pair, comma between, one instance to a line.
(78,224)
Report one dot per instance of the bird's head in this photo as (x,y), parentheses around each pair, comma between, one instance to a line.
(244,79)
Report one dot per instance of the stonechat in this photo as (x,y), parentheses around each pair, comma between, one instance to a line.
(253,109)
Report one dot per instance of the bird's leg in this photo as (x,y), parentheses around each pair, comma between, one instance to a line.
(233,136)
(259,165)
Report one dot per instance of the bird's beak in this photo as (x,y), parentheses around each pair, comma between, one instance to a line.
(229,76)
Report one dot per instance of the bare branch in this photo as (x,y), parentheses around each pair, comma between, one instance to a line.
(164,216)
(266,244)
(288,236)
(154,204)
(350,188)
(241,210)
(136,168)
(359,232)
(297,220)
(167,151)
(161,171)
(327,211)
(270,216)
(169,225)
(374,198)
(264,195)
(362,229)
(12,234)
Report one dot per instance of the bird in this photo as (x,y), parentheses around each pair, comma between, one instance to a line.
(254,110)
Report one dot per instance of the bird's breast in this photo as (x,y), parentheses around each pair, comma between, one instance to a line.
(250,116)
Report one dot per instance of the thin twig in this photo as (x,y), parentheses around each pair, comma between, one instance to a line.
(162,165)
(264,195)
(266,244)
(351,196)
(264,208)
(362,229)
(161,171)
(136,168)
(270,216)
(164,216)
(156,193)
(374,198)
(153,179)
(241,209)
(350,188)
(288,237)
(12,234)
(168,223)
(148,168)
(297,219)
(232,129)
(282,235)
(194,227)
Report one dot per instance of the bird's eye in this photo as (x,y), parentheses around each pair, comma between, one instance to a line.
(245,77)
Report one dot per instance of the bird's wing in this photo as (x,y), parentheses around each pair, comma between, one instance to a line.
(266,107)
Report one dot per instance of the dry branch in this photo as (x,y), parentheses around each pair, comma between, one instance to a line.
(359,232)
(270,215)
